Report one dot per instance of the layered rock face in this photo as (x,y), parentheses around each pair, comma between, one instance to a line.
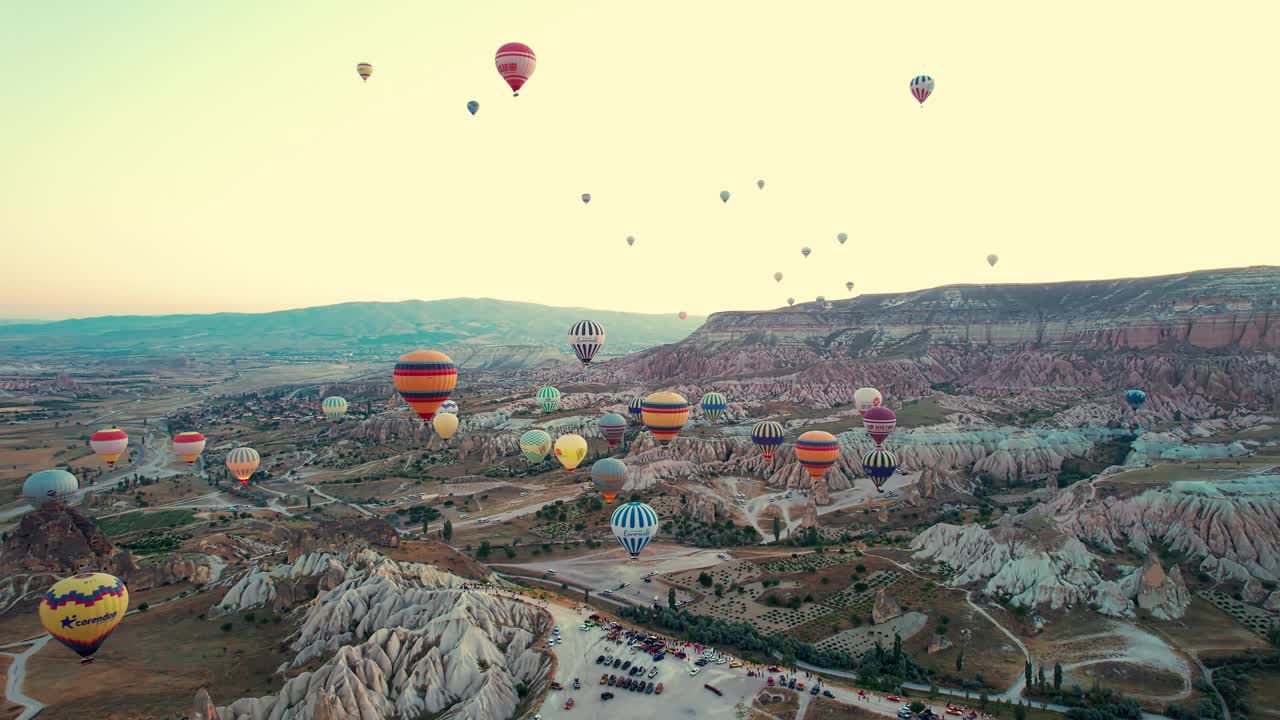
(1195,341)
(334,534)
(1028,562)
(886,607)
(405,640)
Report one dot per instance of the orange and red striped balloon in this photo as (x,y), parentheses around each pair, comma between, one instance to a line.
(664,414)
(188,446)
(424,379)
(817,451)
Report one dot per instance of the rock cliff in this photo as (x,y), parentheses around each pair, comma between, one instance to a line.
(1195,341)
(403,640)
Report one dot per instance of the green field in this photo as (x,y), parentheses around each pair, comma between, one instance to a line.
(135,521)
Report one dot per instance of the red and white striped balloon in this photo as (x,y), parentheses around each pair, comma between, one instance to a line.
(515,64)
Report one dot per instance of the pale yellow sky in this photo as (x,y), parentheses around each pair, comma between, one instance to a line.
(191,157)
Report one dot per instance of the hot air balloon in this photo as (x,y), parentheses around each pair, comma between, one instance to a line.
(515,64)
(445,425)
(448,406)
(109,444)
(921,88)
(760,184)
(82,610)
(992,260)
(841,238)
(548,398)
(1135,398)
(634,409)
(777,277)
(586,198)
(188,446)
(634,525)
(817,451)
(866,398)
(48,486)
(879,465)
(535,445)
(586,337)
(879,422)
(631,240)
(242,462)
(664,413)
(570,450)
(767,435)
(791,301)
(821,300)
(364,70)
(334,408)
(425,378)
(609,474)
(724,196)
(849,286)
(805,251)
(613,427)
(713,404)
(683,315)
(473,107)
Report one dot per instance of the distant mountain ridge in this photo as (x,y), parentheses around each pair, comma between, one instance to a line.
(364,329)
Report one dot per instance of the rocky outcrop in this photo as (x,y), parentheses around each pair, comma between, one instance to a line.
(1253,592)
(1198,342)
(1272,602)
(404,640)
(332,535)
(938,643)
(58,539)
(1165,596)
(202,708)
(886,607)
(1231,526)
(704,508)
(810,517)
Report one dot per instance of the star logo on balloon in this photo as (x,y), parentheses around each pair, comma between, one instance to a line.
(68,621)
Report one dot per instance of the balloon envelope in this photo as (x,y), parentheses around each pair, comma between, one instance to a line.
(586,198)
(548,398)
(242,462)
(609,475)
(473,107)
(364,70)
(448,406)
(817,451)
(634,409)
(805,251)
(613,427)
(683,315)
(992,260)
(188,446)
(425,378)
(767,435)
(570,451)
(109,444)
(760,184)
(445,424)
(664,413)
(724,196)
(777,276)
(841,238)
(713,404)
(849,286)
(535,445)
(515,62)
(631,240)
(586,337)
(921,88)
(634,525)
(81,611)
(1135,398)
(866,398)
(879,422)
(879,465)
(48,486)
(334,408)
(791,301)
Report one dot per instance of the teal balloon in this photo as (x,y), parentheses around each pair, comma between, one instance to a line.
(473,107)
(724,196)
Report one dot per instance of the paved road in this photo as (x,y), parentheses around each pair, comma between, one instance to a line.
(18,673)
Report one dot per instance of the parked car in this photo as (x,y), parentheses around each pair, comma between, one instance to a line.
(653,673)
(694,670)
(599,659)
(658,690)
(568,704)
(577,685)
(827,693)
(617,662)
(606,696)
(813,690)
(905,714)
(613,680)
(604,679)
(556,686)
(770,682)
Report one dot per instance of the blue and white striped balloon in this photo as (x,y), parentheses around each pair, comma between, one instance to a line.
(448,406)
(634,524)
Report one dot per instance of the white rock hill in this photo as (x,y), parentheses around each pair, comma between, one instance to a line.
(405,640)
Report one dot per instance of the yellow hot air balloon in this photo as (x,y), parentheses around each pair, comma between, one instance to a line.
(364,70)
(242,462)
(82,610)
(570,450)
(445,424)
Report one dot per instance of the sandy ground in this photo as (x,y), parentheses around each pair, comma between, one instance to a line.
(610,567)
